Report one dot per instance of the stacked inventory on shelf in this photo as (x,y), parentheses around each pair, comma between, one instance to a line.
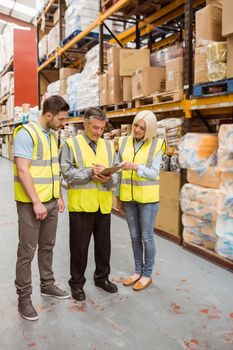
(148,67)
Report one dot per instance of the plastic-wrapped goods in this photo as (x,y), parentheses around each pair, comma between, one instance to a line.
(225,137)
(53,39)
(54,88)
(160,57)
(197,151)
(7,82)
(165,163)
(3,53)
(190,237)
(225,200)
(225,160)
(174,164)
(43,47)
(9,43)
(224,230)
(79,15)
(173,128)
(217,52)
(204,228)
(210,178)
(83,88)
(216,70)
(199,201)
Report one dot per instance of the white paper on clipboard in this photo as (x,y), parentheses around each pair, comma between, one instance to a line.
(111,170)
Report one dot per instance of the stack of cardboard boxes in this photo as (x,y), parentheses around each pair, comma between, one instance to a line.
(208,30)
(227,31)
(129,76)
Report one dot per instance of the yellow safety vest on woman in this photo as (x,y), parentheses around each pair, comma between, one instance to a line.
(44,167)
(93,195)
(132,186)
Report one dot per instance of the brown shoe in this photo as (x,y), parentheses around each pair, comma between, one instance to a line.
(139,286)
(130,281)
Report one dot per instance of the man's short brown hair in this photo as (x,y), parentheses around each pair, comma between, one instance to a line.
(54,105)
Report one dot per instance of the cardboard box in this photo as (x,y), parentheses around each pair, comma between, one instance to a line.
(104,89)
(115,89)
(114,68)
(64,73)
(113,54)
(211,178)
(104,98)
(127,88)
(227,22)
(170,184)
(103,81)
(208,25)
(132,59)
(63,87)
(230,57)
(147,80)
(174,74)
(200,66)
(218,3)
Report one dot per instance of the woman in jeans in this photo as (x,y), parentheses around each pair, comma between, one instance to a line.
(141,155)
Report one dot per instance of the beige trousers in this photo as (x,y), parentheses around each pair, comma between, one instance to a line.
(33,233)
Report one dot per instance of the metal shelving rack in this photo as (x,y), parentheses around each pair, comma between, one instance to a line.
(204,108)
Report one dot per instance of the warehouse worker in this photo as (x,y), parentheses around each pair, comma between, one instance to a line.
(141,155)
(38,199)
(82,158)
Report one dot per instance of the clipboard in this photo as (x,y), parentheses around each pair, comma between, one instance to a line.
(111,170)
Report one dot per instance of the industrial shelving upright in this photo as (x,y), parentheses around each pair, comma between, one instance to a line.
(210,110)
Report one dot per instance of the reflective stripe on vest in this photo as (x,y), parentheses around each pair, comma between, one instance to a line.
(132,186)
(93,195)
(44,167)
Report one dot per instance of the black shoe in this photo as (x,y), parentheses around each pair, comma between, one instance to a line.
(78,294)
(107,286)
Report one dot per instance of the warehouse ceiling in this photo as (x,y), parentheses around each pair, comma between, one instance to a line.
(24,10)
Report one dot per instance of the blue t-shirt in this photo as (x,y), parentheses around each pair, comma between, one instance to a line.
(23,143)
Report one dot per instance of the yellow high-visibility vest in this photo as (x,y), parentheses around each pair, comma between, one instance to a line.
(92,196)
(44,167)
(132,186)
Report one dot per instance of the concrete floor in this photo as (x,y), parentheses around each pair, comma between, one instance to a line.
(188,306)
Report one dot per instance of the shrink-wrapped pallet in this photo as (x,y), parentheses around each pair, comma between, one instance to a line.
(199,201)
(225,150)
(210,178)
(224,231)
(217,52)
(225,137)
(197,151)
(225,200)
(190,237)
(204,229)
(216,61)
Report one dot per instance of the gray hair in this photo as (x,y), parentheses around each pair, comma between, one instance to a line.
(95,113)
(151,124)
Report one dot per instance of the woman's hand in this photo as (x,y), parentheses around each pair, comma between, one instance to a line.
(129,165)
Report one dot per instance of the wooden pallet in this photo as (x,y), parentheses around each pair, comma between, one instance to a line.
(118,106)
(107,4)
(169,96)
(213,88)
(143,7)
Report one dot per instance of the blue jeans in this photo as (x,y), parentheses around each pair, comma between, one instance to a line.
(140,218)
